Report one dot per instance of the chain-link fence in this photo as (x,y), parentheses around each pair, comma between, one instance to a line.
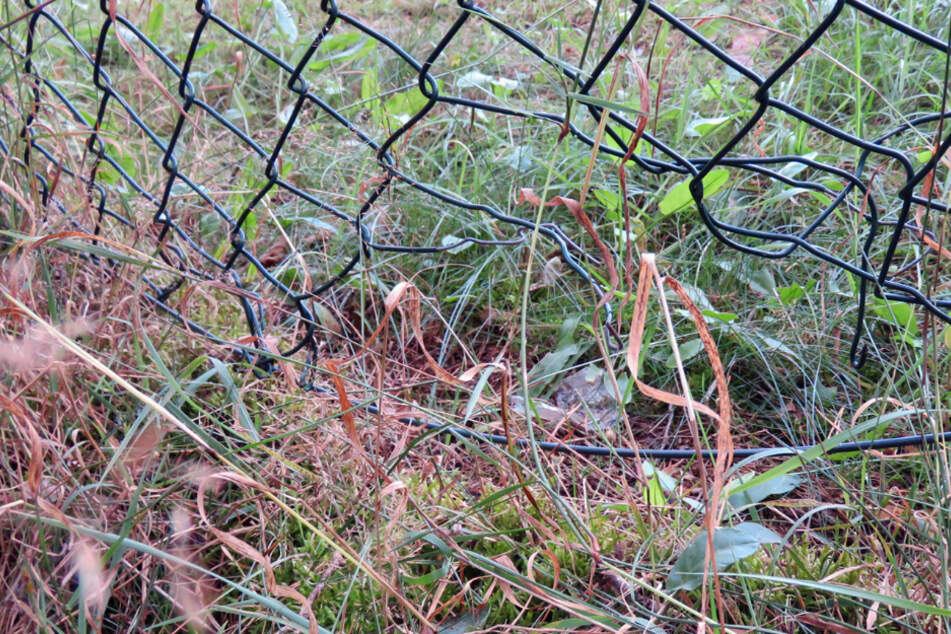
(171,131)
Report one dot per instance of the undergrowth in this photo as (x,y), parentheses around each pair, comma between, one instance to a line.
(154,479)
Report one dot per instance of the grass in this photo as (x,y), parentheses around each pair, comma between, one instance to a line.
(153,480)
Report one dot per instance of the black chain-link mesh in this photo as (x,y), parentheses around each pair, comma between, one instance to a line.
(82,129)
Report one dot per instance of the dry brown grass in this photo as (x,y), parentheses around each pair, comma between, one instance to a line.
(248,505)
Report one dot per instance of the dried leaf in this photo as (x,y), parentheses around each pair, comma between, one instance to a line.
(638,322)
(395,300)
(275,255)
(745,43)
(649,275)
(345,412)
(527,194)
(143,446)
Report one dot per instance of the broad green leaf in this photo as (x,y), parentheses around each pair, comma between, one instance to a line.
(340,41)
(603,103)
(789,295)
(762,281)
(408,102)
(90,119)
(551,364)
(250,226)
(285,22)
(502,86)
(428,578)
(343,47)
(205,49)
(702,126)
(625,135)
(900,314)
(724,317)
(688,350)
(566,333)
(730,545)
(658,482)
(653,493)
(679,198)
(156,18)
(369,92)
(477,391)
(780,485)
(824,200)
(807,456)
(608,199)
(696,295)
(110,175)
(826,393)
(793,168)
(290,276)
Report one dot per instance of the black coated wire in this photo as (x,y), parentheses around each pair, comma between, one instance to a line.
(182,252)
(916,440)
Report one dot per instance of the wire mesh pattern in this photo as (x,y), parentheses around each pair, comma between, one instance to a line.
(207,235)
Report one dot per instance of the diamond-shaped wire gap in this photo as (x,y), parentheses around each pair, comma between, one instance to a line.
(378,104)
(310,195)
(330,133)
(855,96)
(326,171)
(850,134)
(188,207)
(502,92)
(61,117)
(406,138)
(269,177)
(240,65)
(136,132)
(666,46)
(776,197)
(919,216)
(759,120)
(669,121)
(465,114)
(535,86)
(222,130)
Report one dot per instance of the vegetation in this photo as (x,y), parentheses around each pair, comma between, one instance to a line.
(153,479)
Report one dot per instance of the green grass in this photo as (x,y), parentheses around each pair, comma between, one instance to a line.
(150,481)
